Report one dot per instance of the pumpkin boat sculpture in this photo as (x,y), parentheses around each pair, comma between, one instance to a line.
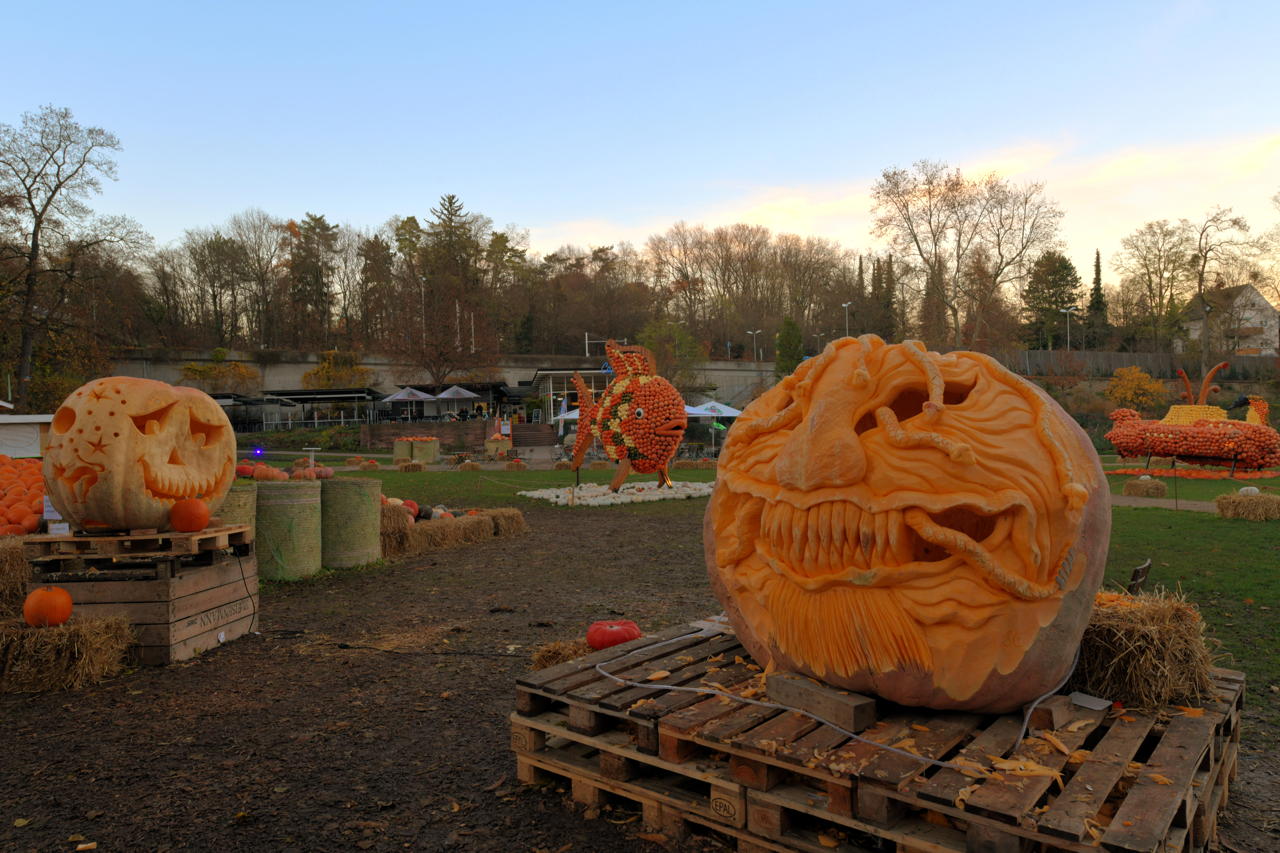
(639,418)
(1200,434)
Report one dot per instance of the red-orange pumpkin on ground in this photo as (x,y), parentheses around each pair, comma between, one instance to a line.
(603,634)
(189,516)
(47,606)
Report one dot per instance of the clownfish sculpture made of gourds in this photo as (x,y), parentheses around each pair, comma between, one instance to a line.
(639,418)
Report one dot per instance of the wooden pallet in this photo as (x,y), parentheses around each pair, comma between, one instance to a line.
(807,786)
(174,616)
(142,545)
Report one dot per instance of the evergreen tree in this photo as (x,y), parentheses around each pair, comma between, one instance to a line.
(1053,286)
(1096,328)
(934,328)
(889,302)
(788,348)
(875,301)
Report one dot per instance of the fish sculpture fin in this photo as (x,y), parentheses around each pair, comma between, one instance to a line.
(586,415)
(630,361)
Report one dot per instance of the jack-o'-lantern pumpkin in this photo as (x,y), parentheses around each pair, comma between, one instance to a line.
(122,451)
(929,528)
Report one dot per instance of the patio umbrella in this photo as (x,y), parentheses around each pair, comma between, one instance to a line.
(408,394)
(456,392)
(715,410)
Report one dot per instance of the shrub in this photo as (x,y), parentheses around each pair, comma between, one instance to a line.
(1134,388)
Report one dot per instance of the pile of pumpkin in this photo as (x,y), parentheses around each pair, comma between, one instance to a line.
(22,504)
(423,513)
(302,470)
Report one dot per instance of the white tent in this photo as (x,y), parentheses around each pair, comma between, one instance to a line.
(457,392)
(408,394)
(712,409)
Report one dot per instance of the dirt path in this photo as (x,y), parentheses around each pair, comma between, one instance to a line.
(1164,503)
(370,713)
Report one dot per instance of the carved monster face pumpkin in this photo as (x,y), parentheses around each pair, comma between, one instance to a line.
(928,528)
(121,451)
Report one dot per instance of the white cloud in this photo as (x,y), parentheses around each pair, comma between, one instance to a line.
(1105,196)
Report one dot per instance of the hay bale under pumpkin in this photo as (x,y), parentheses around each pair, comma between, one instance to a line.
(1140,488)
(15,571)
(1146,651)
(507,521)
(393,532)
(449,532)
(369,465)
(1250,507)
(81,652)
(562,465)
(559,651)
(411,467)
(469,466)
(516,465)
(353,461)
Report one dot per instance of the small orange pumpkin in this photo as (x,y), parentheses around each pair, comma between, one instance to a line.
(189,516)
(47,606)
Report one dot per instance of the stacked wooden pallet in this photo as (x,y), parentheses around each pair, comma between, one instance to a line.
(770,778)
(183,593)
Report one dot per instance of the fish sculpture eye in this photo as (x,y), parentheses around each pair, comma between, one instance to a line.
(639,413)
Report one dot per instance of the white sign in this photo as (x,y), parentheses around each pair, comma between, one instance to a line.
(59,528)
(50,514)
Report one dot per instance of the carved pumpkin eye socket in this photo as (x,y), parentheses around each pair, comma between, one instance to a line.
(910,402)
(206,434)
(150,423)
(64,420)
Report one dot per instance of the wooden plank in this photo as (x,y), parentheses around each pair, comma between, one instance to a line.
(730,726)
(634,661)
(1150,806)
(854,755)
(614,696)
(852,712)
(540,678)
(941,733)
(190,647)
(722,679)
(1011,797)
(776,733)
(198,602)
(1089,788)
(997,739)
(684,674)
(124,591)
(233,609)
(191,579)
(137,612)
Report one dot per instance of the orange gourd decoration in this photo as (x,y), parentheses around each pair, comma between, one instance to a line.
(639,419)
(122,451)
(46,606)
(189,516)
(930,528)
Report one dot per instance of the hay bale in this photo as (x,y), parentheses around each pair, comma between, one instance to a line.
(15,571)
(350,523)
(469,466)
(369,465)
(402,448)
(707,464)
(562,465)
(241,504)
(1140,488)
(287,534)
(516,465)
(559,651)
(1250,507)
(394,528)
(402,460)
(599,465)
(683,465)
(412,467)
(449,532)
(507,521)
(301,463)
(1146,651)
(80,652)
(353,461)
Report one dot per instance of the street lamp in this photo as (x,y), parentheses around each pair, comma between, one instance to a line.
(755,355)
(1069,312)
(845,306)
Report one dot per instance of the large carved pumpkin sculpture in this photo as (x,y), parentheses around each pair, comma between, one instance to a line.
(930,528)
(122,451)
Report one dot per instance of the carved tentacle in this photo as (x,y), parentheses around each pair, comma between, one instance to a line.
(1186,393)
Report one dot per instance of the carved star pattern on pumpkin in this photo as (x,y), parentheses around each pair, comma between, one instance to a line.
(97,395)
(98,445)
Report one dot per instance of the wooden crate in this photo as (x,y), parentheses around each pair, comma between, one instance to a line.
(808,786)
(177,609)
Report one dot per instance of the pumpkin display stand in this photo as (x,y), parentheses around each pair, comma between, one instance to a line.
(182,593)
(768,778)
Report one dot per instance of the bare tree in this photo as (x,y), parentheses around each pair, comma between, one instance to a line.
(262,238)
(1218,238)
(1157,258)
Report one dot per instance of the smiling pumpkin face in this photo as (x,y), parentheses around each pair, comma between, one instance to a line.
(928,528)
(121,451)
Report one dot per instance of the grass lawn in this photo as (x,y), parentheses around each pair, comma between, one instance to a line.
(1197,490)
(1228,567)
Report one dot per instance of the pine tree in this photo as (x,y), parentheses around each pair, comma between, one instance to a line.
(875,301)
(933,312)
(889,303)
(788,348)
(1097,329)
(1054,285)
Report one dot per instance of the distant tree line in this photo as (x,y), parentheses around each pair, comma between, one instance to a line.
(965,262)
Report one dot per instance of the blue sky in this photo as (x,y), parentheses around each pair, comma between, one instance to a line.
(595,122)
